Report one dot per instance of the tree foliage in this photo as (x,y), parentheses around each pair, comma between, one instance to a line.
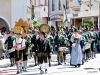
(87,22)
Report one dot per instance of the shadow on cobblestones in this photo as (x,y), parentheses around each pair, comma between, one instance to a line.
(90,68)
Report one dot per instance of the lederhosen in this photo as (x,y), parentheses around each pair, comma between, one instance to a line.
(25,51)
(34,41)
(18,54)
(44,50)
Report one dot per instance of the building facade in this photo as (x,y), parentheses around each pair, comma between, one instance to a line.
(12,11)
(41,10)
(88,9)
(56,11)
(74,7)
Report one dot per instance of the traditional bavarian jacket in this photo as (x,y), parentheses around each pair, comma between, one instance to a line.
(43,45)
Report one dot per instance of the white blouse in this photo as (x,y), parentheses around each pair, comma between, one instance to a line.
(75,36)
(20,43)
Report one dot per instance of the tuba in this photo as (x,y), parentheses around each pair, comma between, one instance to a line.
(44,28)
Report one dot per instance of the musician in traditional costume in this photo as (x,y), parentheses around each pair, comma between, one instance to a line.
(51,41)
(43,51)
(34,41)
(87,44)
(66,50)
(10,46)
(20,45)
(59,51)
(93,43)
(25,51)
(98,41)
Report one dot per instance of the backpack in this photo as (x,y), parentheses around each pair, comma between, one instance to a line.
(1,44)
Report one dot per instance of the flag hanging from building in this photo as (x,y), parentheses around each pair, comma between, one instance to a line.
(64,14)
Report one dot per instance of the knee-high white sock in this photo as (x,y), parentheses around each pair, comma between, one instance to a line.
(18,67)
(41,66)
(25,64)
(45,65)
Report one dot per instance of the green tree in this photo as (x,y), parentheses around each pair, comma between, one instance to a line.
(87,22)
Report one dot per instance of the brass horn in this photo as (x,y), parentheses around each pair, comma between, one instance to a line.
(44,28)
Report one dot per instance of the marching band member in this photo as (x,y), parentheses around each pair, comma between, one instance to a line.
(34,39)
(10,46)
(20,45)
(44,50)
(51,41)
(25,51)
(58,49)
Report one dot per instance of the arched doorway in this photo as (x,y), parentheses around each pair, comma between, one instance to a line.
(3,25)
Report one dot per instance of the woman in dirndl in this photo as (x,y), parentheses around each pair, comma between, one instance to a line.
(76,52)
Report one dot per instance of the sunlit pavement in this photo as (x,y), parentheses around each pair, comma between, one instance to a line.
(89,68)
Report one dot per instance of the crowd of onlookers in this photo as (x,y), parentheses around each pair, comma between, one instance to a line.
(82,45)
